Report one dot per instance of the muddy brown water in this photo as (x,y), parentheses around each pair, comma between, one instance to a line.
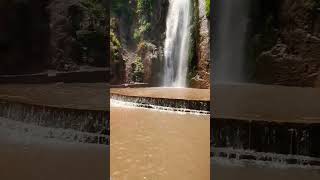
(266,102)
(24,157)
(85,96)
(63,161)
(231,172)
(149,144)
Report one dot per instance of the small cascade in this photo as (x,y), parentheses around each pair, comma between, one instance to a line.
(261,158)
(121,103)
(68,124)
(27,132)
(289,143)
(176,105)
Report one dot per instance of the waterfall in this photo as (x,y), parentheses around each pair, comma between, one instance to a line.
(232,18)
(176,47)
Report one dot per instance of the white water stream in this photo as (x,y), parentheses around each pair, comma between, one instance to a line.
(176,47)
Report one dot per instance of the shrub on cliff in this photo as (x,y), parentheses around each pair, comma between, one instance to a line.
(138,70)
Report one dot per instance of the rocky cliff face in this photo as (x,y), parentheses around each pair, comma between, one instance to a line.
(292,55)
(24,36)
(36,35)
(78,33)
(138,33)
(201,79)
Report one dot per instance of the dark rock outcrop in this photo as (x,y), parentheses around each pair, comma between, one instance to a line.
(36,35)
(137,45)
(293,57)
(78,33)
(24,36)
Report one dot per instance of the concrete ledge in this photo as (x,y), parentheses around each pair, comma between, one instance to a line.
(267,136)
(100,75)
(79,107)
(260,157)
(94,122)
(164,97)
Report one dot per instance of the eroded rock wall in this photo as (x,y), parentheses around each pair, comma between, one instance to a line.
(293,55)
(137,30)
(200,78)
(138,34)
(36,35)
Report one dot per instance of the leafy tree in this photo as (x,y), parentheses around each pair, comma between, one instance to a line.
(208,8)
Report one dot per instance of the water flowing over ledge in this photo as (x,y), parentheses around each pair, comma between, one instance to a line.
(59,123)
(65,112)
(162,99)
(122,103)
(264,123)
(247,157)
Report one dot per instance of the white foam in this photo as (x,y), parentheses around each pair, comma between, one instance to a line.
(125,104)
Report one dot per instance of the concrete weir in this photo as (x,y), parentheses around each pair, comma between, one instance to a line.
(266,123)
(172,99)
(81,108)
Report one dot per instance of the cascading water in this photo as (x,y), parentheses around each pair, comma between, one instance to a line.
(232,18)
(176,47)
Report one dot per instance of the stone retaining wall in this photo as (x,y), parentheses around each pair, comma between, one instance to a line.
(87,121)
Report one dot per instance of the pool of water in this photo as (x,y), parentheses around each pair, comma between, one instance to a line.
(162,145)
(32,152)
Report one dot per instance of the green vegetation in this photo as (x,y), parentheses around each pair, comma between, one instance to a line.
(137,70)
(115,47)
(208,8)
(144,13)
